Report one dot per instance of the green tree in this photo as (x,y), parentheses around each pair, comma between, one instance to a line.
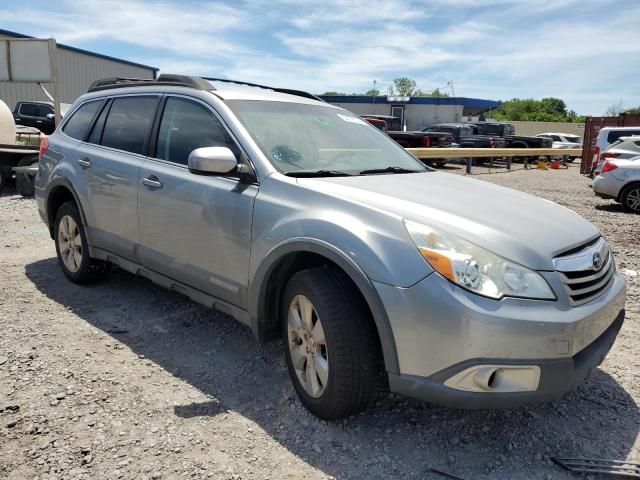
(545,110)
(374,92)
(633,111)
(405,86)
(331,92)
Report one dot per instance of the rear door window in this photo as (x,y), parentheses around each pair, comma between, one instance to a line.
(78,125)
(129,122)
(187,125)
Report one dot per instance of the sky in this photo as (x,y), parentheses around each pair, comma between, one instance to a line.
(585,52)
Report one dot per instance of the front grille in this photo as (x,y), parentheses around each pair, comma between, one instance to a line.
(583,281)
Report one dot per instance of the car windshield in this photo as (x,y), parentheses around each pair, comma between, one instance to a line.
(573,139)
(310,138)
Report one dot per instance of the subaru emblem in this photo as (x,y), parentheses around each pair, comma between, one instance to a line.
(597,261)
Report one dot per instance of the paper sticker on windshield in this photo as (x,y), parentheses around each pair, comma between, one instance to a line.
(350,119)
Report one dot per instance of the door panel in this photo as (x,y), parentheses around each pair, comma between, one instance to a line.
(196,229)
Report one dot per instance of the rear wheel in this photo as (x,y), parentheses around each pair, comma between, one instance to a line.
(24,182)
(72,247)
(630,198)
(331,349)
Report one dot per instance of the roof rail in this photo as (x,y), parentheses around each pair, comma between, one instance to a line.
(298,93)
(199,83)
(164,79)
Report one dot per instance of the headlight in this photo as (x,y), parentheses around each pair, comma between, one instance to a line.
(475,268)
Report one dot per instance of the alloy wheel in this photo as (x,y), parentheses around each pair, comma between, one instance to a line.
(70,243)
(633,199)
(307,346)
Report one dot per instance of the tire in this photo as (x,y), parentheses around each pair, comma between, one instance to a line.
(5,175)
(630,198)
(345,344)
(77,266)
(24,182)
(441,163)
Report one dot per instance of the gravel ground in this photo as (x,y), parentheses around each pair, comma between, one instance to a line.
(126,380)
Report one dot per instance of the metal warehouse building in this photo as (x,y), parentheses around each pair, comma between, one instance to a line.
(76,70)
(414,112)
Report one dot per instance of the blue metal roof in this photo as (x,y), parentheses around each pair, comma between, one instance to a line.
(85,52)
(476,103)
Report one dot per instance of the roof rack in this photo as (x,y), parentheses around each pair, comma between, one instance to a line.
(199,83)
(298,93)
(164,79)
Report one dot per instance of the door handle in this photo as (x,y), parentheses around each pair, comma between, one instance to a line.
(152,181)
(84,162)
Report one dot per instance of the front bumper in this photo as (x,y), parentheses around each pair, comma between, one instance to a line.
(558,377)
(440,330)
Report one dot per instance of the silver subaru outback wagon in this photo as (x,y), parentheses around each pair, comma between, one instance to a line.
(303,222)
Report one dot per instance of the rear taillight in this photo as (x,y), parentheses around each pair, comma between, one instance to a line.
(596,156)
(607,166)
(426,141)
(44,145)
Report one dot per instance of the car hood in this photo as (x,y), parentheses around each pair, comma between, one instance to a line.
(520,227)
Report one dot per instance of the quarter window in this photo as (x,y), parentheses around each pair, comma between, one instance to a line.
(187,125)
(78,125)
(128,123)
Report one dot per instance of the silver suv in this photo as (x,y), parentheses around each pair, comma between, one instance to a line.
(304,222)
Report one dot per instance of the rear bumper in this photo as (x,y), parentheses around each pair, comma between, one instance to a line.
(606,186)
(558,377)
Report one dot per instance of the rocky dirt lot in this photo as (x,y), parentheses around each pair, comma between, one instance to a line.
(126,380)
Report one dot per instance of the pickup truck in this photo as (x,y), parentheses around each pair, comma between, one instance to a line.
(40,115)
(507,131)
(463,135)
(417,139)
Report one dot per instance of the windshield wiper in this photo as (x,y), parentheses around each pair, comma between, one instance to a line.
(389,170)
(317,173)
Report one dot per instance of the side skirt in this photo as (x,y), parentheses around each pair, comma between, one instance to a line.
(196,295)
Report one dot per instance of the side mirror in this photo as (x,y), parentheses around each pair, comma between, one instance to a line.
(50,116)
(212,160)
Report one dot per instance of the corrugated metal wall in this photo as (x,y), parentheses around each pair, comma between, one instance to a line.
(76,71)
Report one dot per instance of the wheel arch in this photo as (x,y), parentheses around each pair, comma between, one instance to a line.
(60,192)
(283,261)
(632,183)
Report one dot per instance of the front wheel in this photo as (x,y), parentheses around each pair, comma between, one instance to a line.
(330,344)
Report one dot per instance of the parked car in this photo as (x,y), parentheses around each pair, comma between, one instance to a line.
(40,115)
(624,148)
(619,179)
(563,141)
(415,139)
(606,137)
(304,222)
(377,122)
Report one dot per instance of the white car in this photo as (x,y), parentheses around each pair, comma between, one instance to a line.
(622,149)
(620,181)
(563,141)
(606,137)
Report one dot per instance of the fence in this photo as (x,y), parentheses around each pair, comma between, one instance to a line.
(469,153)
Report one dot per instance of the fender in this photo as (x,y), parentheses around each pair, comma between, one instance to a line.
(51,188)
(258,290)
